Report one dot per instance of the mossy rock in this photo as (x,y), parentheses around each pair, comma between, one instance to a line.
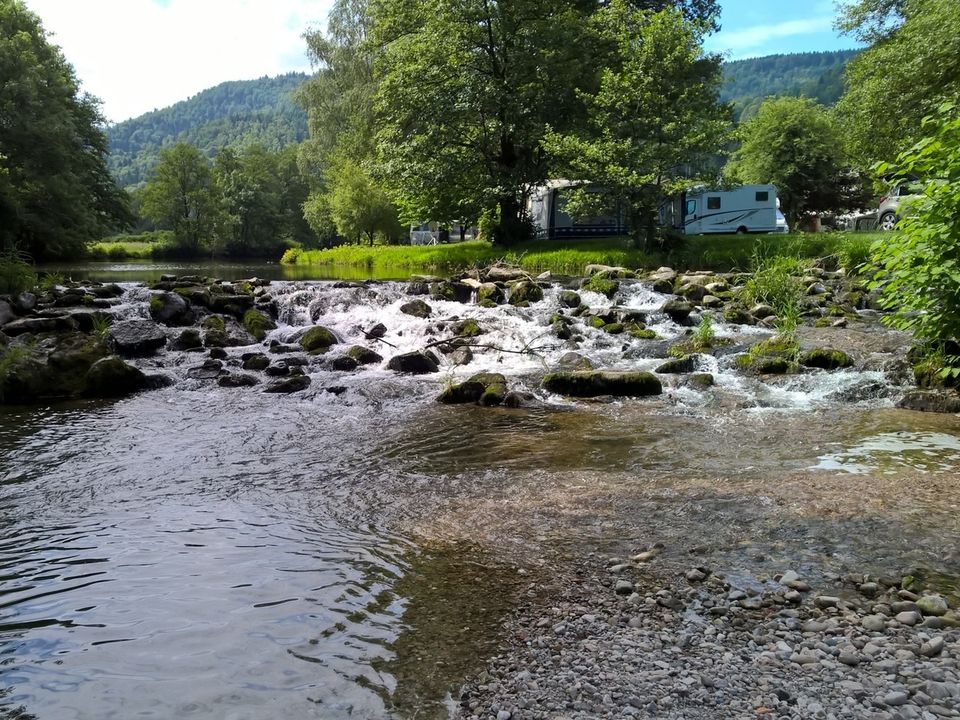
(700,381)
(30,374)
(677,310)
(601,285)
(467,328)
(462,393)
(765,365)
(214,322)
(189,339)
(591,383)
(255,361)
(416,308)
(214,338)
(569,299)
(525,291)
(318,339)
(679,365)
(613,328)
(111,377)
(561,330)
(641,333)
(738,316)
(364,356)
(452,291)
(490,293)
(494,388)
(257,324)
(826,359)
(414,363)
(596,321)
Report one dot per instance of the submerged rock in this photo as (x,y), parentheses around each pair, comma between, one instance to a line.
(591,383)
(235,380)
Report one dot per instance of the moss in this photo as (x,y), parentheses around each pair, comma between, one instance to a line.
(700,381)
(601,285)
(682,364)
(257,324)
(525,292)
(465,392)
(640,332)
(467,328)
(593,383)
(215,322)
(826,359)
(491,293)
(613,328)
(487,303)
(156,305)
(597,322)
(317,339)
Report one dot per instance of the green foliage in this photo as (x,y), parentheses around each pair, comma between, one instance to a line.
(794,144)
(10,357)
(16,273)
(182,196)
(704,336)
(776,282)
(101,325)
(359,207)
(56,194)
(919,266)
(817,75)
(903,77)
(51,280)
(465,92)
(854,252)
(655,110)
(232,114)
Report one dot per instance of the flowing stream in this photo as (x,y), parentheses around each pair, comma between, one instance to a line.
(351,550)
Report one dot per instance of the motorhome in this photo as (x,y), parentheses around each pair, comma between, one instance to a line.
(746,209)
(546,209)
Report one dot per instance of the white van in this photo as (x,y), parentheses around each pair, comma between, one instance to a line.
(746,209)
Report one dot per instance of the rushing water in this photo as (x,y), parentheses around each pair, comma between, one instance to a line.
(349,551)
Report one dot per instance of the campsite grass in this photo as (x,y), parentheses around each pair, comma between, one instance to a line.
(722,253)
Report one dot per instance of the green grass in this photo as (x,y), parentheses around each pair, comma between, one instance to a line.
(127,247)
(16,273)
(721,253)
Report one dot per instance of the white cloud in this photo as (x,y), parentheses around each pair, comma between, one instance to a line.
(758,36)
(138,55)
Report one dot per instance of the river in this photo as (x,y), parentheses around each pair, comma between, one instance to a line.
(351,551)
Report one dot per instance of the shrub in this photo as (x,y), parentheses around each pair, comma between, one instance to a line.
(16,273)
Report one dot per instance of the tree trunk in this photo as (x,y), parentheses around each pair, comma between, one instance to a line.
(510,230)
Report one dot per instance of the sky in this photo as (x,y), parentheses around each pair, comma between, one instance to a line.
(142,55)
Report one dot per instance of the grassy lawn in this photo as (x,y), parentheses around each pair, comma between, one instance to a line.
(710,252)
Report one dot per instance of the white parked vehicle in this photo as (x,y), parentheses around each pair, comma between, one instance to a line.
(746,209)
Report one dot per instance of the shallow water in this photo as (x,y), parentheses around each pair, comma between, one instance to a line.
(223,553)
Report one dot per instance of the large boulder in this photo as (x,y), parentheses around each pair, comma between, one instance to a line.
(484,388)
(591,383)
(55,368)
(825,359)
(136,338)
(235,305)
(111,377)
(257,323)
(171,309)
(490,294)
(364,356)
(450,290)
(677,310)
(318,339)
(525,292)
(36,325)
(414,363)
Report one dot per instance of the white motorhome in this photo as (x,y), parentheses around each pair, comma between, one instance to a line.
(546,209)
(746,209)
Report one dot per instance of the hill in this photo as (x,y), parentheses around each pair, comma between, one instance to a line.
(818,75)
(232,113)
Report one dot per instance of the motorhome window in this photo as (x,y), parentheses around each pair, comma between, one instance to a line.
(691,207)
(763,196)
(713,203)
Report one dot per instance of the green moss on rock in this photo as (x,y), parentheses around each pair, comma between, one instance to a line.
(826,359)
(591,383)
(257,324)
(318,339)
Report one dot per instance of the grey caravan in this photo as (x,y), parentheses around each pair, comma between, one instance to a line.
(546,210)
(750,208)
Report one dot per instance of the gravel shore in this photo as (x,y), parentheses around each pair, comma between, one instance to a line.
(618,641)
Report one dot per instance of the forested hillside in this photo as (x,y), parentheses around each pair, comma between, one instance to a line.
(817,75)
(230,114)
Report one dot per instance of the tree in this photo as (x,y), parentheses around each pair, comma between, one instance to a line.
(359,207)
(181,195)
(466,89)
(55,191)
(654,114)
(870,20)
(908,72)
(249,184)
(794,143)
(920,276)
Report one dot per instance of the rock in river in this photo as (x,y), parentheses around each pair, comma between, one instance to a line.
(415,363)
(136,338)
(111,377)
(591,383)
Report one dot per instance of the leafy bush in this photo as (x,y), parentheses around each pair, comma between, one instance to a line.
(919,266)
(16,273)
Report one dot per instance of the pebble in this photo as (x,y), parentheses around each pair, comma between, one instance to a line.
(932,647)
(908,617)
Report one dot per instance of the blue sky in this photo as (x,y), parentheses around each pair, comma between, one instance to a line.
(139,55)
(751,28)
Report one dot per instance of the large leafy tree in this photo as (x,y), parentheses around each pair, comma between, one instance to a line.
(466,89)
(251,190)
(55,191)
(181,195)
(904,76)
(795,144)
(654,114)
(358,207)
